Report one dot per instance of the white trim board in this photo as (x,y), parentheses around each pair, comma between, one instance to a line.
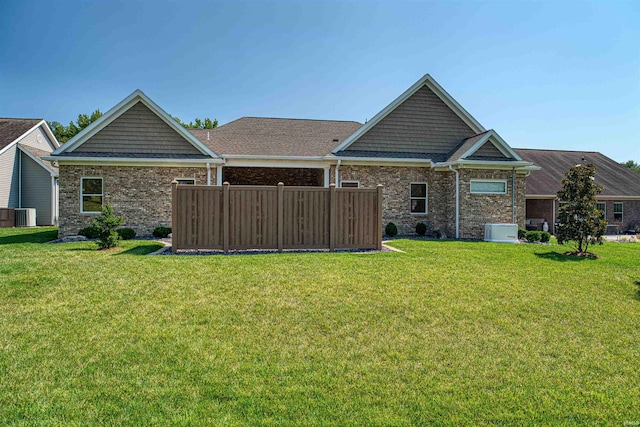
(52,137)
(493,137)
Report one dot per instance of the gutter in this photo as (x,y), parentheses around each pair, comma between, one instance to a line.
(106,160)
(457,200)
(513,195)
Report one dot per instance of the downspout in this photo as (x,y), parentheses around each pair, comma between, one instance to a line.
(336,173)
(513,195)
(457,201)
(208,173)
(19,177)
(53,200)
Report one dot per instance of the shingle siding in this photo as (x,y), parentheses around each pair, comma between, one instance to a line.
(138,130)
(421,124)
(488,151)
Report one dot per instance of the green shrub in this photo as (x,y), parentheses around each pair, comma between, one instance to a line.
(533,236)
(126,233)
(391,229)
(545,236)
(88,232)
(421,229)
(105,226)
(161,232)
(521,233)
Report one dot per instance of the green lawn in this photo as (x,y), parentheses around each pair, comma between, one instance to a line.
(451,333)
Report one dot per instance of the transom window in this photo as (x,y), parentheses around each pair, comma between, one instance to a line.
(601,206)
(418,197)
(617,211)
(186,181)
(349,184)
(488,186)
(91,195)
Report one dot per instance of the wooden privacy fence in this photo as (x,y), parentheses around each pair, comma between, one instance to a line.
(275,217)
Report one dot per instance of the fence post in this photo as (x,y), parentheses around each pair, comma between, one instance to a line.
(225,216)
(174,216)
(332,217)
(379,215)
(280,216)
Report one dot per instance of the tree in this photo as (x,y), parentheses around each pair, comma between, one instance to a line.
(632,165)
(207,123)
(580,220)
(104,226)
(65,133)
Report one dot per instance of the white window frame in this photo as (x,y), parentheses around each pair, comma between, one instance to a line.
(621,211)
(604,211)
(425,198)
(357,183)
(101,194)
(503,181)
(193,181)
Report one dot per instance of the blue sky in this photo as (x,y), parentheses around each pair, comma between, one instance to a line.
(557,74)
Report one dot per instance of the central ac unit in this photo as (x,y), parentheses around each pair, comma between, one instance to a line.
(502,233)
(25,217)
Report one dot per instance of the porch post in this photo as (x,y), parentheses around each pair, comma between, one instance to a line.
(326,176)
(219,175)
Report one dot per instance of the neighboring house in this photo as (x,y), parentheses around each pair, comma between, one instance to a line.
(619,200)
(438,165)
(26,181)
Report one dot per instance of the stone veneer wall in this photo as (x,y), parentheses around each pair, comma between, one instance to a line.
(478,209)
(142,195)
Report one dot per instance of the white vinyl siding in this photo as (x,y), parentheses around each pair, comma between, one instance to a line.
(488,186)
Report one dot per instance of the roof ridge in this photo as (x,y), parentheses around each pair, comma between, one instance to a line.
(296,118)
(565,151)
(21,118)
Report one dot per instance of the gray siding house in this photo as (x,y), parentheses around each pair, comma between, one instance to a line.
(26,181)
(437,164)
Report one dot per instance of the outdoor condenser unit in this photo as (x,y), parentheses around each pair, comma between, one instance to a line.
(25,217)
(502,233)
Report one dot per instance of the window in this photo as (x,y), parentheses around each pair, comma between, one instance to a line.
(418,197)
(601,206)
(186,181)
(617,211)
(488,186)
(349,184)
(90,195)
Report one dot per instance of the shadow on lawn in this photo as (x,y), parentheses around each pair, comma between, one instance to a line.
(555,256)
(36,237)
(136,250)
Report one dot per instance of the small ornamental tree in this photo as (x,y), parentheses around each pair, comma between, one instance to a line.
(104,226)
(580,220)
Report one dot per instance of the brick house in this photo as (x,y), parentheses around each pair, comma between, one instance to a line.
(438,165)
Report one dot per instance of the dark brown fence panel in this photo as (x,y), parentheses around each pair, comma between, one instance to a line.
(264,217)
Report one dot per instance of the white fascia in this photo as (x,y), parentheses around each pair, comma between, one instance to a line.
(127,161)
(428,81)
(501,145)
(484,164)
(381,161)
(21,137)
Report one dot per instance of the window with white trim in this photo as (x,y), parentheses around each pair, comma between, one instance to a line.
(186,181)
(350,184)
(617,211)
(602,207)
(91,195)
(418,197)
(488,186)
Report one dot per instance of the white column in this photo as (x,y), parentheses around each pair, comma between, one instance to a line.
(219,175)
(326,176)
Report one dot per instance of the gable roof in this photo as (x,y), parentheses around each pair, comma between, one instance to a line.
(258,136)
(36,155)
(616,179)
(13,130)
(470,146)
(122,107)
(434,87)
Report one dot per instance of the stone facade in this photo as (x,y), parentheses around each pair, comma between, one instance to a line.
(142,195)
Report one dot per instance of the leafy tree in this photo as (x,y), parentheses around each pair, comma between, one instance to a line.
(104,227)
(580,220)
(207,123)
(632,165)
(65,133)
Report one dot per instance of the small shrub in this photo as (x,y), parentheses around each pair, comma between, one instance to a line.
(421,229)
(105,226)
(545,236)
(126,233)
(521,233)
(533,236)
(161,232)
(88,232)
(391,229)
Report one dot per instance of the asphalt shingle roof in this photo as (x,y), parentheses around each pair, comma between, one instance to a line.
(616,179)
(11,129)
(40,154)
(276,137)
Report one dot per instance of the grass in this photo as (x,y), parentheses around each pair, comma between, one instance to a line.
(446,333)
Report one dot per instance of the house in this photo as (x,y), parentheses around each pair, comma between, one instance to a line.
(26,181)
(619,200)
(438,165)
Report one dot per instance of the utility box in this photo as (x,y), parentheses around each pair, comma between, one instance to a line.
(502,233)
(25,217)
(7,217)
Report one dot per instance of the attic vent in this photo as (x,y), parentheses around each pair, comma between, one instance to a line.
(335,139)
